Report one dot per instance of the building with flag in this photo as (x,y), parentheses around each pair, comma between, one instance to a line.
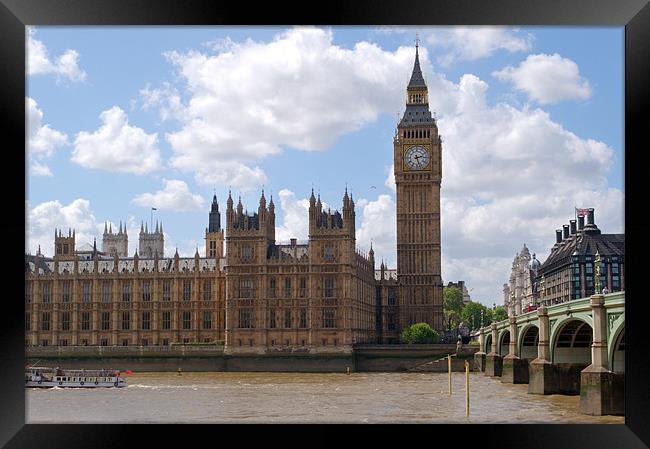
(569,271)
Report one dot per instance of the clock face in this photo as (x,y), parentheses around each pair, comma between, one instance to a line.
(417,157)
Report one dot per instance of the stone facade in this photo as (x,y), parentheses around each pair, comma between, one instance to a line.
(418,174)
(520,294)
(250,292)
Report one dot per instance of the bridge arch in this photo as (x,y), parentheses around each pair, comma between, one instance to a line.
(488,343)
(616,349)
(503,346)
(571,341)
(528,341)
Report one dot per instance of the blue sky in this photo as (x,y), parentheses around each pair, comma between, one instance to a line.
(125,118)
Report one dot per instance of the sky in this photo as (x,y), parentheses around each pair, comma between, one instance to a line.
(123,119)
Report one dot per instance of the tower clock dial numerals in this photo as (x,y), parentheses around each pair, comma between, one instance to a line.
(417,157)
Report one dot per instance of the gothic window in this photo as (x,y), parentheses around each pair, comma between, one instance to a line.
(167,290)
(287,318)
(65,292)
(328,287)
(46,292)
(85,321)
(126,291)
(391,296)
(287,287)
(303,318)
(207,319)
(246,318)
(65,321)
(329,317)
(207,290)
(126,321)
(146,291)
(303,287)
(246,288)
(146,321)
(28,321)
(85,294)
(166,320)
(28,292)
(65,248)
(45,321)
(328,252)
(106,321)
(187,290)
(272,288)
(391,322)
(272,318)
(246,253)
(187,320)
(106,292)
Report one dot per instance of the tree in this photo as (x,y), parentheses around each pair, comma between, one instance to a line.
(452,305)
(471,315)
(499,314)
(420,333)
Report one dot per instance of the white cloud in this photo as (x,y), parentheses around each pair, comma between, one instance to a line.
(378,225)
(45,217)
(390,178)
(547,78)
(38,169)
(39,61)
(117,146)
(248,100)
(42,140)
(174,196)
(467,43)
(510,176)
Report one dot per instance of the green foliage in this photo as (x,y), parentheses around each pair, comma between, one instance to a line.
(452,305)
(499,314)
(471,315)
(420,333)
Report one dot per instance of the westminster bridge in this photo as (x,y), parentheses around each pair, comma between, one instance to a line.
(574,347)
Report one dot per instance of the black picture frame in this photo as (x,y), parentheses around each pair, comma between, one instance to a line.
(634,15)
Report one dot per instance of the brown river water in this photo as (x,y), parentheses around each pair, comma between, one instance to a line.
(227,397)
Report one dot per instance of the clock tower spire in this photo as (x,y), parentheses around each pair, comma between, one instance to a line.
(418,173)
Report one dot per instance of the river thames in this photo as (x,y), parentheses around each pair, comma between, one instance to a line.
(227,397)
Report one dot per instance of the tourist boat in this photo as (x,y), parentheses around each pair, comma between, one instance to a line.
(41,377)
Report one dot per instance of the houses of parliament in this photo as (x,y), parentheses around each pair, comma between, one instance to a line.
(249,292)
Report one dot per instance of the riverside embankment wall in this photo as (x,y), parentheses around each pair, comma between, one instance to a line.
(386,358)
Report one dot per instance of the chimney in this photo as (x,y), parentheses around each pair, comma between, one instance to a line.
(581,223)
(566,231)
(573,227)
(558,235)
(294,242)
(590,216)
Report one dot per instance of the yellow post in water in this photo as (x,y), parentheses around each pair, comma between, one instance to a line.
(466,388)
(449,366)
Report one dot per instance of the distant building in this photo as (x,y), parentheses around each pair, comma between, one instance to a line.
(387,307)
(463,288)
(520,293)
(568,272)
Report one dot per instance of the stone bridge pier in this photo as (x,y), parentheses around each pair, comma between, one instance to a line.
(514,369)
(493,361)
(573,348)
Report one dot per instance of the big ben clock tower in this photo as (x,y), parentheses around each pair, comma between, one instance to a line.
(418,172)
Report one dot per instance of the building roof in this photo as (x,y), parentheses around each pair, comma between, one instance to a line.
(417,80)
(582,244)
